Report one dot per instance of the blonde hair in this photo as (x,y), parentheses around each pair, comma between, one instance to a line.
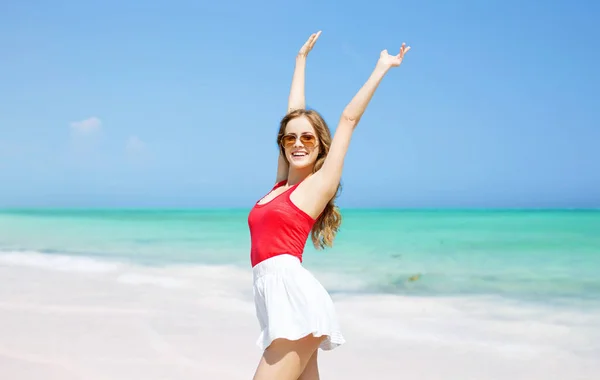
(328,223)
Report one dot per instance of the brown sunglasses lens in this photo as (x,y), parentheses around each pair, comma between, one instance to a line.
(307,140)
(288,140)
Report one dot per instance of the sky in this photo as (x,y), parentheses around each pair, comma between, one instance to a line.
(177,104)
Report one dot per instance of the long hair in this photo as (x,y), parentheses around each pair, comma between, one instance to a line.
(328,223)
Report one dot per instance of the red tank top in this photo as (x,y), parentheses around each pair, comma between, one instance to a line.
(278,227)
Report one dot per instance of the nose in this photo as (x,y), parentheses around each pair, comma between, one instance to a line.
(298,143)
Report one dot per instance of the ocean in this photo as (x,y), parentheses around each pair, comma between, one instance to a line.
(539,256)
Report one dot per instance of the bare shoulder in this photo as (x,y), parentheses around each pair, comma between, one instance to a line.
(312,195)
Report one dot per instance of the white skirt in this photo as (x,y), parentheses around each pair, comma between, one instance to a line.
(291,304)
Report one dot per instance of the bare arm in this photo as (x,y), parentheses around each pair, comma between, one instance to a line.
(329,176)
(296,99)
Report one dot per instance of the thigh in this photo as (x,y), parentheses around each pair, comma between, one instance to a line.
(311,371)
(286,359)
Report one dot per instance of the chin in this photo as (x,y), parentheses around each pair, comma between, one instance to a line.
(300,164)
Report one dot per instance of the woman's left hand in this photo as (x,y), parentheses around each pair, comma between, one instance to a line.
(386,60)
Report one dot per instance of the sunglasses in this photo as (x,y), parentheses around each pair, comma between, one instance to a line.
(308,141)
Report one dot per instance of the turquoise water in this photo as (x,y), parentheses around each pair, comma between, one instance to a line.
(540,256)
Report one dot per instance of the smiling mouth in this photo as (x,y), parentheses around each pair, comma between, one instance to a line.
(299,154)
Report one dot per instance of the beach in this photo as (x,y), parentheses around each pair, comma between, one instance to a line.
(137,140)
(80,320)
(75,314)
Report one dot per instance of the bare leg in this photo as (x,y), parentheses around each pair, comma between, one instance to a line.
(286,359)
(311,371)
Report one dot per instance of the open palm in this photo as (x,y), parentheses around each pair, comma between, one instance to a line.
(393,60)
(308,45)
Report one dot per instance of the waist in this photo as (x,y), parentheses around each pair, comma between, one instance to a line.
(276,264)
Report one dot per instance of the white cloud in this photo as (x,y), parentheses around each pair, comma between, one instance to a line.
(135,145)
(86,136)
(87,126)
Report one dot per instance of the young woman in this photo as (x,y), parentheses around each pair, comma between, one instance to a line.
(295,312)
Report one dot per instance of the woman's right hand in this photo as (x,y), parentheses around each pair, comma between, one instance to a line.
(308,45)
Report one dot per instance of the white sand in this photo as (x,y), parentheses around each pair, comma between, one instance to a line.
(76,321)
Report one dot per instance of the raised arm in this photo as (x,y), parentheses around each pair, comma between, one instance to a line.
(296,98)
(330,174)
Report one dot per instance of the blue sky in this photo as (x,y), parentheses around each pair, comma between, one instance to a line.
(176,104)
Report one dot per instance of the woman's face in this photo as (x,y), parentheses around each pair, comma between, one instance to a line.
(300,143)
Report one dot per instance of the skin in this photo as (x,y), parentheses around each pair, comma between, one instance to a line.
(285,359)
(297,99)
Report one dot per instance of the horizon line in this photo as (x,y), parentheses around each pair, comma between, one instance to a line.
(359,208)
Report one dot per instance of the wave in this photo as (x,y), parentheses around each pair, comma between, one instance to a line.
(58,262)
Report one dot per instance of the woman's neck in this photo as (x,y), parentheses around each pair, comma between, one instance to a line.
(298,175)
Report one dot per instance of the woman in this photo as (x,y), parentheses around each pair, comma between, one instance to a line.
(295,312)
